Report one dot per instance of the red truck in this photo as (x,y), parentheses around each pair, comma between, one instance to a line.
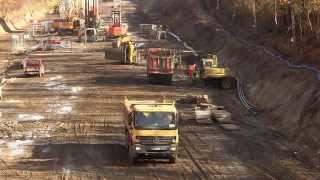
(160,65)
(33,67)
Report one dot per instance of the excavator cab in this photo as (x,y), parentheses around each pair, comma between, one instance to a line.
(130,52)
(212,71)
(211,61)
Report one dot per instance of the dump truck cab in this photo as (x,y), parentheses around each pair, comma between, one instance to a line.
(151,130)
(211,70)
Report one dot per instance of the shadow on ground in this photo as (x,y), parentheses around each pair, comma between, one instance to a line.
(57,156)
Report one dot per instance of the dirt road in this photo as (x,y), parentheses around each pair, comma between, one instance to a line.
(68,125)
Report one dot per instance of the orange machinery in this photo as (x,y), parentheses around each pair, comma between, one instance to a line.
(117,29)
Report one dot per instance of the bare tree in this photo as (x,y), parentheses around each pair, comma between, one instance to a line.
(276,12)
(218,5)
(254,13)
(293,21)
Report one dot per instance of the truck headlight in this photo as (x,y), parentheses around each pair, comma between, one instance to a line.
(173,148)
(138,148)
(174,140)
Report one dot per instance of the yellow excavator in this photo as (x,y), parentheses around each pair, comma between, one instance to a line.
(122,39)
(212,71)
(130,52)
(124,49)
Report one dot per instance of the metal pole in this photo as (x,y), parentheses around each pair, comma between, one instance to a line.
(97,6)
(86,12)
(85,37)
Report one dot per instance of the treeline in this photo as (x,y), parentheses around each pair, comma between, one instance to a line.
(299,19)
(10,6)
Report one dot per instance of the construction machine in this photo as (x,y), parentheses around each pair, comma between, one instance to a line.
(147,29)
(126,53)
(117,28)
(121,40)
(91,13)
(130,52)
(151,129)
(69,20)
(160,65)
(33,67)
(63,26)
(91,21)
(90,34)
(212,71)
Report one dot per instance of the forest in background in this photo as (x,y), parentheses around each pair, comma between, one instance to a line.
(9,9)
(291,27)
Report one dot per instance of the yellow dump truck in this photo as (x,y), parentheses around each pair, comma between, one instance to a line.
(211,71)
(151,129)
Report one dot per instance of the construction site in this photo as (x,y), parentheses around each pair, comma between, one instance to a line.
(149,89)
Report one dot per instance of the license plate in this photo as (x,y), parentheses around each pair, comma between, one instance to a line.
(156,148)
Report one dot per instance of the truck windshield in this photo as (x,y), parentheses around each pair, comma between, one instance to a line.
(155,120)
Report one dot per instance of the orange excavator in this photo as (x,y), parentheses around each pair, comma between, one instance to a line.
(117,28)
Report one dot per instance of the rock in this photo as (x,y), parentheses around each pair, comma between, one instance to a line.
(230,127)
(203,115)
(222,116)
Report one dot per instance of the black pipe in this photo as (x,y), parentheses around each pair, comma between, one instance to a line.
(86,12)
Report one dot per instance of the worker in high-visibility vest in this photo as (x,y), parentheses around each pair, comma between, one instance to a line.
(193,73)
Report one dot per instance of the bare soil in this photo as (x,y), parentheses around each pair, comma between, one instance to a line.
(69,125)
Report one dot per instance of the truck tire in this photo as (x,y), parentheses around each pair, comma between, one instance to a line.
(226,83)
(206,82)
(169,80)
(105,54)
(125,55)
(131,156)
(173,159)
(114,44)
(150,79)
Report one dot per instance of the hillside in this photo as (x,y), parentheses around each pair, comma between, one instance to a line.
(287,96)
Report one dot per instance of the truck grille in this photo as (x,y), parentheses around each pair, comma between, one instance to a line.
(155,140)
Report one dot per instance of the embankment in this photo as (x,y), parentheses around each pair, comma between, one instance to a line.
(20,13)
(289,97)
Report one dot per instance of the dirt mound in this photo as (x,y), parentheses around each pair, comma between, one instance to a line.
(289,97)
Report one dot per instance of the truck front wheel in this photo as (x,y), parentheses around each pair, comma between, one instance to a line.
(131,156)
(226,83)
(206,82)
(173,159)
